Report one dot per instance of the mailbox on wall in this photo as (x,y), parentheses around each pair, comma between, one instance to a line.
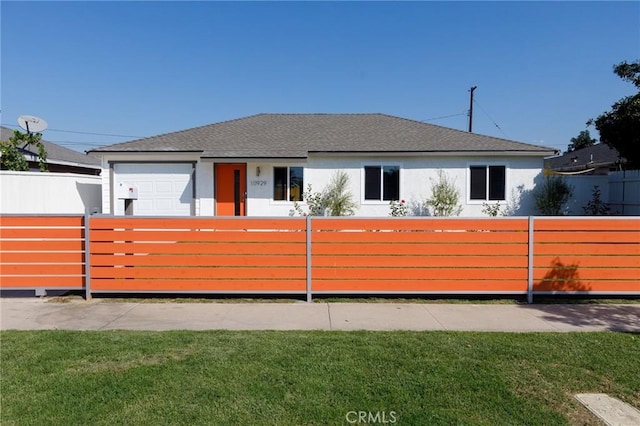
(127,191)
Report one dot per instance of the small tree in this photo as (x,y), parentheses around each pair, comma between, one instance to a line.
(338,199)
(552,196)
(444,197)
(335,199)
(12,157)
(595,206)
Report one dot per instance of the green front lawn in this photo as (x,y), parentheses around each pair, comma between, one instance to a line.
(297,378)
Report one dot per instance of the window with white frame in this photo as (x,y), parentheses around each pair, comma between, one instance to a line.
(381,183)
(487,183)
(288,183)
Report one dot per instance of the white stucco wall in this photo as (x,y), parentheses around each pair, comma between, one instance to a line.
(49,193)
(416,176)
(418,173)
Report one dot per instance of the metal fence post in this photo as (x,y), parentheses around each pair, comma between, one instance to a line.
(530,262)
(309,296)
(87,258)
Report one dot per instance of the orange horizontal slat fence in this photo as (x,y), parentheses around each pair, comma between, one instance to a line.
(250,255)
(322,255)
(420,255)
(586,255)
(42,252)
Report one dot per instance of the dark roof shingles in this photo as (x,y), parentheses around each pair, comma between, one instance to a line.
(295,135)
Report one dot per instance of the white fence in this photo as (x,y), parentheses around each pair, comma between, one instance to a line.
(49,193)
(583,191)
(624,192)
(621,190)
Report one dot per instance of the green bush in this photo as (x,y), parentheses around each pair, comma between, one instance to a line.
(334,200)
(551,198)
(445,197)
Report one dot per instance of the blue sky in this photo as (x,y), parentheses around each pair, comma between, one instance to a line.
(144,68)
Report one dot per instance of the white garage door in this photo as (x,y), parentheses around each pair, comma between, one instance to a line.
(163,189)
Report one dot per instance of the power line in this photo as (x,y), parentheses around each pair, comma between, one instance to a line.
(82,133)
(445,116)
(76,143)
(492,120)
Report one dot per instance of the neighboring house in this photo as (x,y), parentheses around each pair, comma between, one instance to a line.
(597,159)
(260,165)
(59,158)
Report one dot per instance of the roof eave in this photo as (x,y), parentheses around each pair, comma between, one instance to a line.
(443,153)
(144,151)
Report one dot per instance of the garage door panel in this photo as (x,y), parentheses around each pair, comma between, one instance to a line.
(163,189)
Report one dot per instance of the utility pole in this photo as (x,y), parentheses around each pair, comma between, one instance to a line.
(471,109)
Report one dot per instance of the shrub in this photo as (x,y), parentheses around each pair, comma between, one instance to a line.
(334,200)
(398,208)
(595,206)
(493,210)
(552,197)
(444,197)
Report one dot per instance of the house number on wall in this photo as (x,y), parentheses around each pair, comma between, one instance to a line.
(258,183)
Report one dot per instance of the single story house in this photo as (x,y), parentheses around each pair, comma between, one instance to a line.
(598,159)
(260,166)
(59,158)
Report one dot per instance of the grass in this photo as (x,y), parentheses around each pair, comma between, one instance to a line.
(310,378)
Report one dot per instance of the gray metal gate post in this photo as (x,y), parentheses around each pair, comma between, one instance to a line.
(530,262)
(87,258)
(309,296)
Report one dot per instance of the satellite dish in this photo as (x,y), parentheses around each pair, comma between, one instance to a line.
(31,123)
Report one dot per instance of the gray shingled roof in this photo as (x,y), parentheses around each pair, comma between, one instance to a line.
(57,154)
(599,155)
(296,135)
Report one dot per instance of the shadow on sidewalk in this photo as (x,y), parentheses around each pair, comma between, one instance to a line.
(608,317)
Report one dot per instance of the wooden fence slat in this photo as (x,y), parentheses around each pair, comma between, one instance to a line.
(418,273)
(587,237)
(568,249)
(419,261)
(198,260)
(198,273)
(195,223)
(577,273)
(588,261)
(42,221)
(26,282)
(44,270)
(147,285)
(420,237)
(426,224)
(35,245)
(198,248)
(586,286)
(578,224)
(199,236)
(421,285)
(422,249)
(41,257)
(41,233)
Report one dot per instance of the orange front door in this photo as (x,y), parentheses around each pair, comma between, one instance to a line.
(231,189)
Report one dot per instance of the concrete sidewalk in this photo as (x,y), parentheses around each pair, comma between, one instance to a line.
(43,314)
